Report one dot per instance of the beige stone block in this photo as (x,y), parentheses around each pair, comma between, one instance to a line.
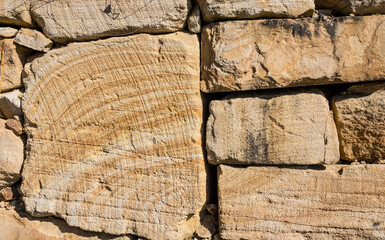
(277,53)
(33,39)
(10,103)
(279,128)
(360,118)
(194,22)
(16,12)
(357,7)
(114,136)
(74,20)
(11,156)
(214,10)
(338,202)
(8,32)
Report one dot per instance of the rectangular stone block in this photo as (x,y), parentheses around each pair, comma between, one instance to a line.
(16,12)
(114,136)
(277,53)
(338,202)
(360,118)
(214,10)
(279,128)
(358,7)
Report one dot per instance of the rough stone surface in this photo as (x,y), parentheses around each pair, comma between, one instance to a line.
(33,39)
(16,225)
(360,117)
(194,22)
(9,194)
(74,20)
(338,202)
(119,149)
(358,7)
(214,10)
(283,127)
(10,103)
(8,32)
(11,156)
(258,54)
(13,61)
(16,12)
(15,125)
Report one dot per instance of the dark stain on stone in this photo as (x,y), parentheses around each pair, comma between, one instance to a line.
(298,28)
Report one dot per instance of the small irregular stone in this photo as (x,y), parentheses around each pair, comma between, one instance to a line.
(279,53)
(357,7)
(8,32)
(360,118)
(16,12)
(331,202)
(11,156)
(293,127)
(33,39)
(214,10)
(14,125)
(194,22)
(9,194)
(10,103)
(73,20)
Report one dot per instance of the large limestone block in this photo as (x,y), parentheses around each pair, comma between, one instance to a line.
(11,156)
(360,117)
(358,7)
(74,20)
(214,10)
(16,12)
(338,202)
(13,62)
(16,225)
(286,127)
(114,135)
(259,54)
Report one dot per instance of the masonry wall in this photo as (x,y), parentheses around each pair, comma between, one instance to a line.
(192,120)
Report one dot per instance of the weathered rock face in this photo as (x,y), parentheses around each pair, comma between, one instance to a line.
(119,149)
(259,54)
(73,20)
(19,226)
(194,21)
(10,103)
(15,12)
(11,156)
(340,202)
(7,32)
(33,39)
(287,127)
(358,7)
(360,116)
(14,59)
(214,10)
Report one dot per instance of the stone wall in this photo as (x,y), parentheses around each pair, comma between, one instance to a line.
(179,119)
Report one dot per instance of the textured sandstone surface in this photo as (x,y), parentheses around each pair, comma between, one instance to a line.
(259,54)
(11,156)
(214,10)
(19,226)
(114,131)
(339,202)
(283,127)
(33,39)
(8,32)
(360,117)
(16,12)
(358,7)
(194,22)
(10,103)
(74,20)
(13,61)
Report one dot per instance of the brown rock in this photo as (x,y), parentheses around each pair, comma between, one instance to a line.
(8,32)
(9,194)
(260,54)
(74,20)
(11,156)
(13,62)
(214,10)
(33,39)
(15,12)
(19,226)
(114,136)
(357,7)
(15,125)
(360,116)
(194,21)
(10,103)
(338,202)
(282,127)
